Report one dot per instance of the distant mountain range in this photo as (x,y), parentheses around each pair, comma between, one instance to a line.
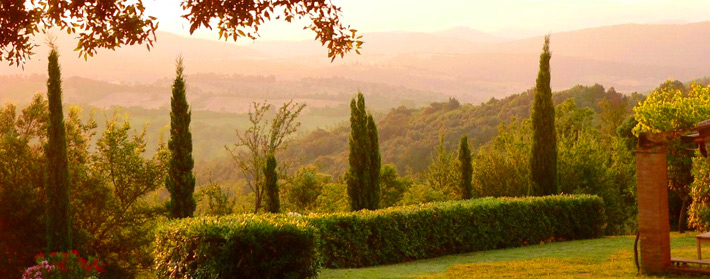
(471,35)
(460,62)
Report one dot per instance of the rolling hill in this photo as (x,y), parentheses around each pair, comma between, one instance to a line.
(461,62)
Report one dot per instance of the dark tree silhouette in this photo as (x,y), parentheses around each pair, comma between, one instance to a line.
(363,176)
(57,185)
(543,159)
(180,181)
(465,169)
(273,204)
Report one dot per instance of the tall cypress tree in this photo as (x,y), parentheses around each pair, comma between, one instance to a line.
(465,169)
(373,151)
(543,159)
(273,204)
(57,184)
(180,181)
(364,173)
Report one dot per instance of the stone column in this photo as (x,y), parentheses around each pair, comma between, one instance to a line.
(652,195)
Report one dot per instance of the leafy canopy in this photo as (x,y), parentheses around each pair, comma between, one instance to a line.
(114,23)
(673,108)
(670,108)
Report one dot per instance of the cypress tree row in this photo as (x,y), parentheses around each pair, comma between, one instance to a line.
(57,184)
(363,176)
(543,159)
(465,169)
(273,204)
(373,150)
(180,181)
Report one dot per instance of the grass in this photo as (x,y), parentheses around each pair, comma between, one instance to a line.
(610,257)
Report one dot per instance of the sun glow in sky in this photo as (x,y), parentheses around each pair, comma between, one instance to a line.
(507,18)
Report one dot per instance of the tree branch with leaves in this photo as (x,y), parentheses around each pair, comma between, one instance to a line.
(263,137)
(113,23)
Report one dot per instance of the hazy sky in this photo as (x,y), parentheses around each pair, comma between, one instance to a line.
(512,18)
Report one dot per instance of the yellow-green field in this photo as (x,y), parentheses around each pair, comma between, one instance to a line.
(610,257)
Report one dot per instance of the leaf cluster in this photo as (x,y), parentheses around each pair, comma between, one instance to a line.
(114,23)
(669,108)
(236,18)
(97,24)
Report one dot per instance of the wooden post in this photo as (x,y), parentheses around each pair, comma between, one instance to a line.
(652,194)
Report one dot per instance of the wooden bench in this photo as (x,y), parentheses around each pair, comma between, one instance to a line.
(691,266)
(685,262)
(705,237)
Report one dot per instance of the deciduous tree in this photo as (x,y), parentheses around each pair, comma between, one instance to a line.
(22,187)
(304,188)
(333,198)
(120,216)
(213,200)
(443,173)
(614,108)
(113,23)
(263,137)
(503,165)
(393,186)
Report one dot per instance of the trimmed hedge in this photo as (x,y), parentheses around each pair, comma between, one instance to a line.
(281,246)
(243,246)
(400,234)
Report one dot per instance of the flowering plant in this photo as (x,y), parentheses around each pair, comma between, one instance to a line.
(36,272)
(63,265)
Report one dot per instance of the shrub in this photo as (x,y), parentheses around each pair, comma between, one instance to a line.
(285,246)
(64,265)
(399,234)
(699,211)
(237,246)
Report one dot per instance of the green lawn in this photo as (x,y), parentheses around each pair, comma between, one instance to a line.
(610,257)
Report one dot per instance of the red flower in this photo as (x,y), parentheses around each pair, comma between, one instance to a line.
(39,255)
(64,261)
(84,265)
(62,267)
(53,254)
(75,252)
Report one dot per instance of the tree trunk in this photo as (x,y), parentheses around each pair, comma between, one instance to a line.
(257,204)
(681,216)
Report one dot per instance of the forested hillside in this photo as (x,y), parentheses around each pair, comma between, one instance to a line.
(408,136)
